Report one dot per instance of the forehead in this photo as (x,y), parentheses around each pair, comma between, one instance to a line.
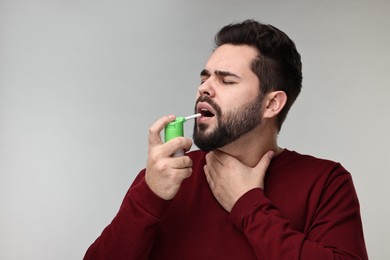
(232,58)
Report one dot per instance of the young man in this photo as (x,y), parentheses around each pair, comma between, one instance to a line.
(241,196)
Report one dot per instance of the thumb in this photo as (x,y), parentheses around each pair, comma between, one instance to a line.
(265,161)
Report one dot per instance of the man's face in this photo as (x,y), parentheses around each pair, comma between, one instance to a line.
(228,98)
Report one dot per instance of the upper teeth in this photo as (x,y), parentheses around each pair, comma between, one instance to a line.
(205,112)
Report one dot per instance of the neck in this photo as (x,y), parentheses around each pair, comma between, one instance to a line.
(250,148)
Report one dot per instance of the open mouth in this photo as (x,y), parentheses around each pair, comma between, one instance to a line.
(206,113)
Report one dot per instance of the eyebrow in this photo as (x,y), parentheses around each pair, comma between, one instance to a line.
(220,73)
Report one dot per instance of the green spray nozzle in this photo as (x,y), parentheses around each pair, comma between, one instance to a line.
(176,128)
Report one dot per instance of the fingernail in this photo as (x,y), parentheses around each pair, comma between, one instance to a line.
(271,154)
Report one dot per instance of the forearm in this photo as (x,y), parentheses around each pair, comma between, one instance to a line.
(273,237)
(131,233)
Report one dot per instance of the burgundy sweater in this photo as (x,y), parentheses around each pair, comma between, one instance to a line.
(307,210)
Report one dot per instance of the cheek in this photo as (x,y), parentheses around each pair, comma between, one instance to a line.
(236,100)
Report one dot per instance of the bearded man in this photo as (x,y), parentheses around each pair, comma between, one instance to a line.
(240,196)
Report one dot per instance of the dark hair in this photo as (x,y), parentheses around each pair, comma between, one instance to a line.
(278,64)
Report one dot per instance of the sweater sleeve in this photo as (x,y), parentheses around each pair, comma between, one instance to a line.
(130,235)
(334,233)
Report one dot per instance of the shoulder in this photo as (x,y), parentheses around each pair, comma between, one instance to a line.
(296,159)
(309,166)
(315,178)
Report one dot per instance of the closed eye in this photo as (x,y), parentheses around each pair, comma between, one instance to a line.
(225,77)
(227,82)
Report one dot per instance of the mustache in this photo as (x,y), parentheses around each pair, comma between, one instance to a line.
(208,100)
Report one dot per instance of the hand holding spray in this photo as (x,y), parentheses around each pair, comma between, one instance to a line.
(175,129)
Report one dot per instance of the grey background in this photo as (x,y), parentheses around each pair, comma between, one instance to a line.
(81,82)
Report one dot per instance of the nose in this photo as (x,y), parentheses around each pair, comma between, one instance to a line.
(206,88)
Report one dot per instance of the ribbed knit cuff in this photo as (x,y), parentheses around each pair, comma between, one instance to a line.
(244,205)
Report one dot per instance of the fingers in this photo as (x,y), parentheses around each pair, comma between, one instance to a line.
(217,160)
(175,144)
(265,161)
(217,157)
(175,176)
(169,148)
(165,181)
(165,173)
(157,127)
(229,178)
(184,173)
(207,174)
(224,159)
(181,162)
(172,163)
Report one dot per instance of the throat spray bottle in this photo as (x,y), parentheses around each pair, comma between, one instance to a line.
(176,129)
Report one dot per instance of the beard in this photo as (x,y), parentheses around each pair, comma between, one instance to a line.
(230,126)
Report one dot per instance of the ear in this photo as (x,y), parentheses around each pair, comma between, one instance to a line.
(275,101)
